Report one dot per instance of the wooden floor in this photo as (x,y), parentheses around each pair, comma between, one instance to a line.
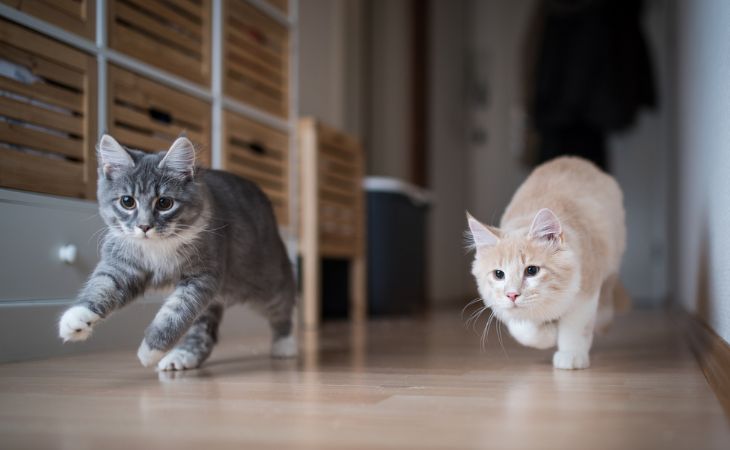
(409,384)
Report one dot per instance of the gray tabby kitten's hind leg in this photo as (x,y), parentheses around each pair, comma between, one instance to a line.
(197,344)
(279,312)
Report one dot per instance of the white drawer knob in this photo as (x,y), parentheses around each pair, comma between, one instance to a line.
(67,253)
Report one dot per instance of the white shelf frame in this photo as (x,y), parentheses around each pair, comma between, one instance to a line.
(212,93)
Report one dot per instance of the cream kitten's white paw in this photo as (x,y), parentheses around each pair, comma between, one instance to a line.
(285,347)
(178,359)
(571,360)
(148,356)
(76,323)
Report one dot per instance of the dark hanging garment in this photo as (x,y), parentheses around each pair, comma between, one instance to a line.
(592,76)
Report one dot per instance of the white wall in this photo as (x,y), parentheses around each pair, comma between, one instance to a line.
(389,94)
(448,272)
(640,157)
(331,62)
(494,52)
(702,278)
(355,71)
(640,161)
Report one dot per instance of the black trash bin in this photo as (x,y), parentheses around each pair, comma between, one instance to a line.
(396,243)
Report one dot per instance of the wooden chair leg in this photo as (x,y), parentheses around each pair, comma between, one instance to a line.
(358,290)
(310,290)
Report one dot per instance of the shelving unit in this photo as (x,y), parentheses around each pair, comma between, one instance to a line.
(148,70)
(143,71)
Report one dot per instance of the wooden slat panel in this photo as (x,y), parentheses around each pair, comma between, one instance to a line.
(50,123)
(73,15)
(139,141)
(130,42)
(46,93)
(71,8)
(35,43)
(259,75)
(134,118)
(334,138)
(190,7)
(38,140)
(339,162)
(282,5)
(43,67)
(337,190)
(146,94)
(274,33)
(39,116)
(131,100)
(39,174)
(270,169)
(180,21)
(264,162)
(337,249)
(345,156)
(340,182)
(248,130)
(256,50)
(254,97)
(259,176)
(336,168)
(170,35)
(336,197)
(245,46)
(246,43)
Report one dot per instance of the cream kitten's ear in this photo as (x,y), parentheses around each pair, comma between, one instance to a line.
(481,235)
(546,225)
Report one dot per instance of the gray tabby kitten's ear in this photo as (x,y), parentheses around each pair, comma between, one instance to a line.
(180,157)
(481,235)
(112,156)
(546,226)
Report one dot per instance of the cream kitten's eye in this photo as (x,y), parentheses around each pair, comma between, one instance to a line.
(531,271)
(498,274)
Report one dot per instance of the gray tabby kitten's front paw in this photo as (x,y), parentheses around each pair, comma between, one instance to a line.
(148,356)
(179,359)
(76,323)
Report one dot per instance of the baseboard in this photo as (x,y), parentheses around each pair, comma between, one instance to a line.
(713,355)
(29,330)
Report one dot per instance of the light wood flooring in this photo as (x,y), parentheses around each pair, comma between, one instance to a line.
(410,384)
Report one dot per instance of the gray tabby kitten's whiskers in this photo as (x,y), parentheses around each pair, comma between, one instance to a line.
(210,234)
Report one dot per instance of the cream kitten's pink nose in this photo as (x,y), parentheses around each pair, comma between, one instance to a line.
(513,295)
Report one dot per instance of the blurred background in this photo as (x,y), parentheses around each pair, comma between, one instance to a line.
(463,97)
(443,96)
(436,107)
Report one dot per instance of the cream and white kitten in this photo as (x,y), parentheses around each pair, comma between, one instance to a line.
(550,271)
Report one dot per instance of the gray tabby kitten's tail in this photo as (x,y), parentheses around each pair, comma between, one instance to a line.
(210,234)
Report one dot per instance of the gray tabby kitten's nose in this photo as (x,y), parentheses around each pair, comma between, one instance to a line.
(144,228)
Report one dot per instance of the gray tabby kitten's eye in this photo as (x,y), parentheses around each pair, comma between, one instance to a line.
(127,202)
(531,271)
(164,203)
(498,274)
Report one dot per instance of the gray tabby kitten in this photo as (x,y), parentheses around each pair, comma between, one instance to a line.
(210,234)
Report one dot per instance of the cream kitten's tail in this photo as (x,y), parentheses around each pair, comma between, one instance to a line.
(621,298)
(614,298)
